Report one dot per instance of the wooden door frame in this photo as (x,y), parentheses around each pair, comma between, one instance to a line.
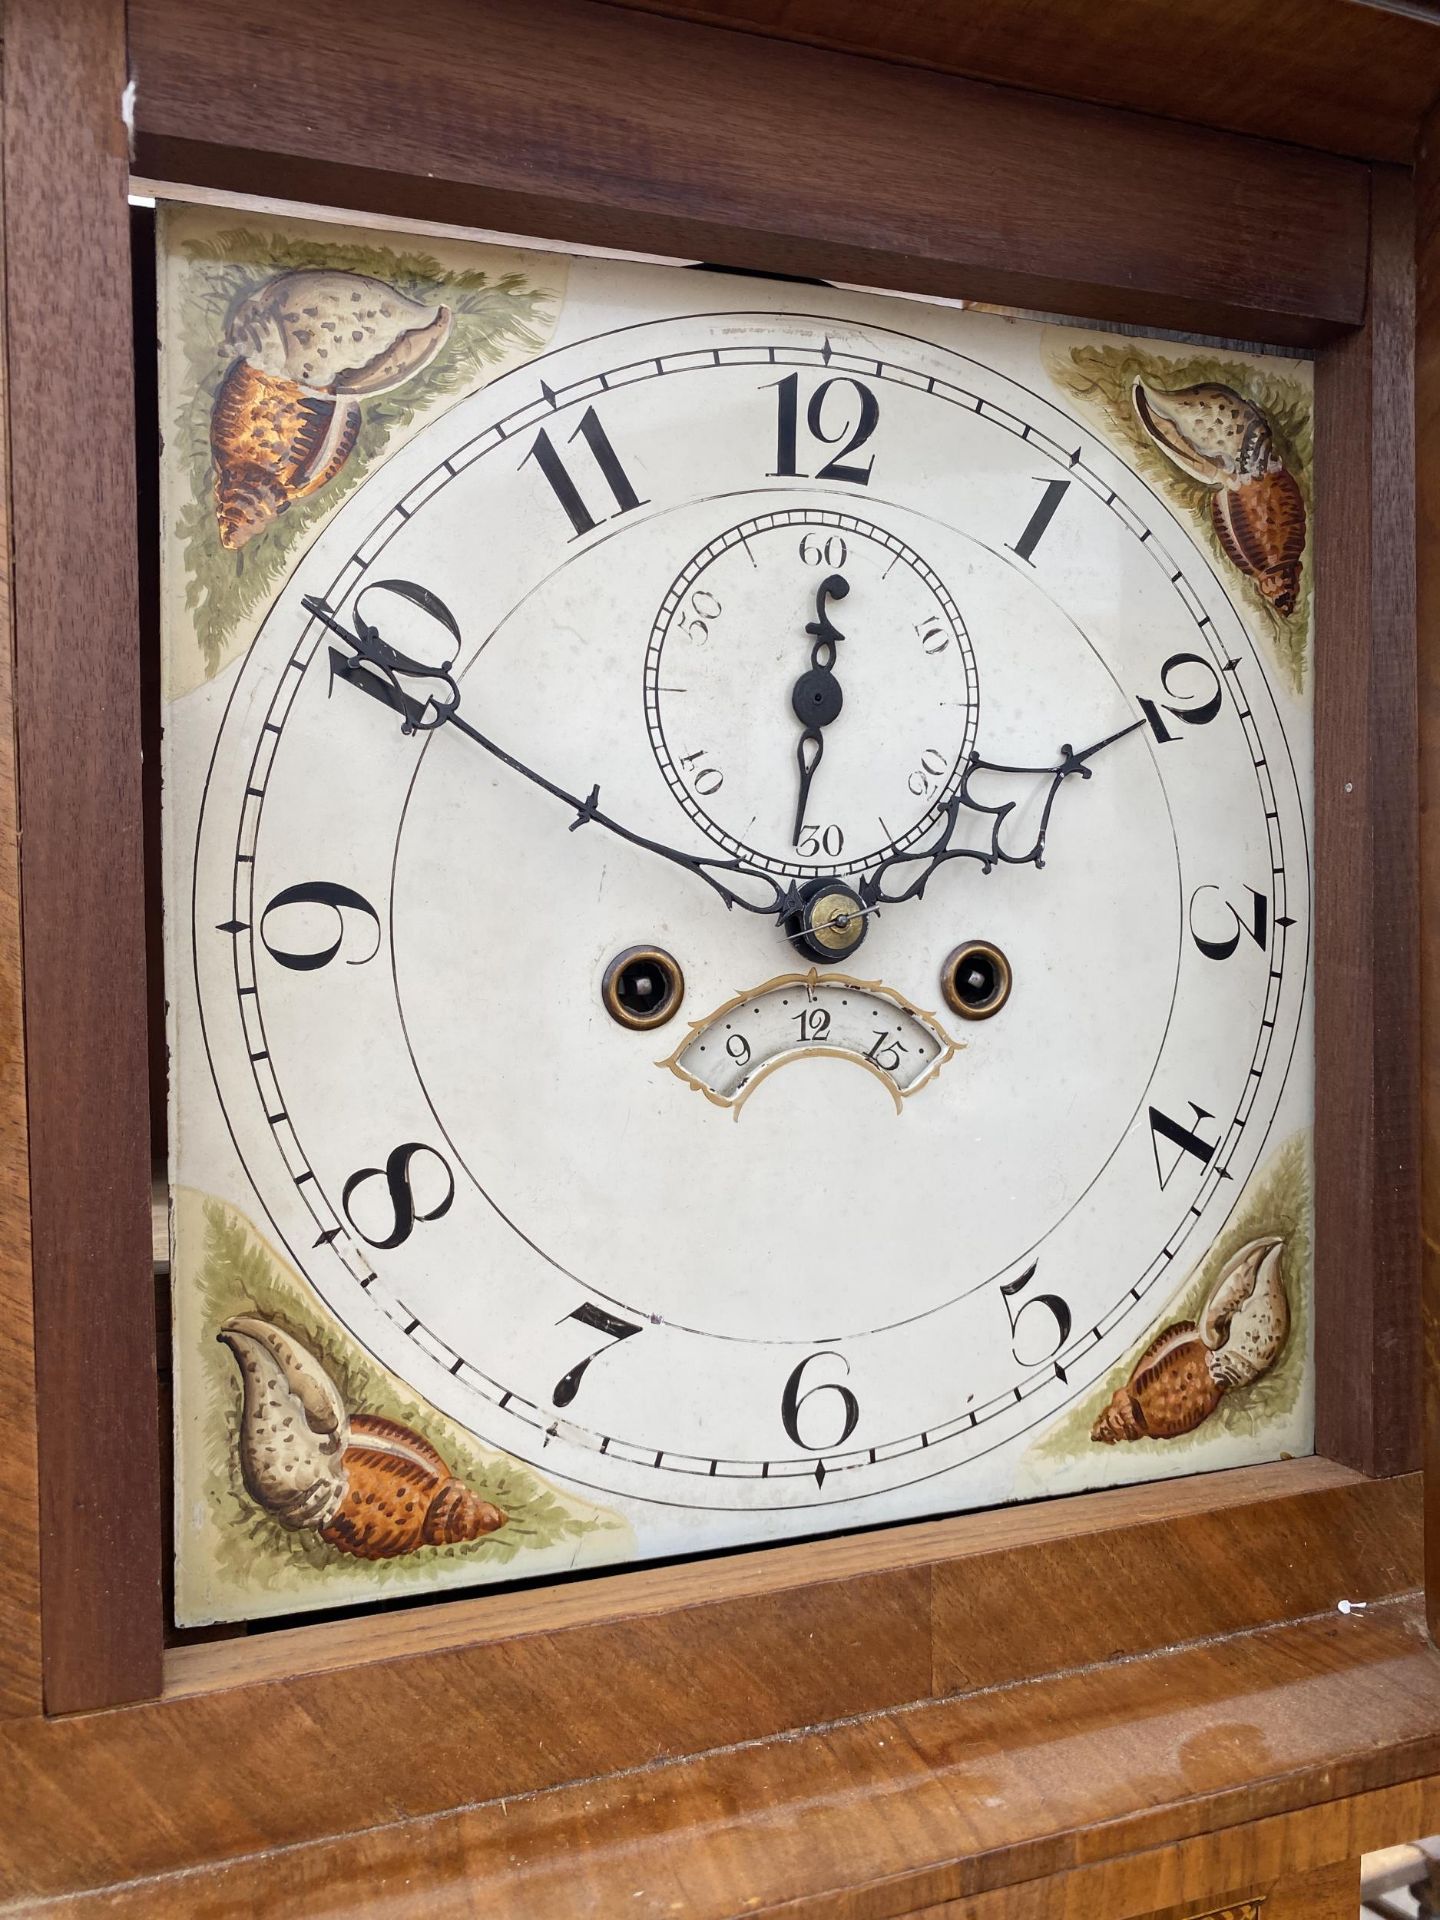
(485,120)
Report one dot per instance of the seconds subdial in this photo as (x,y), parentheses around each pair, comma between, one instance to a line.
(728,641)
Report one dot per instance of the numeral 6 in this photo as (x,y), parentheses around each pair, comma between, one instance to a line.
(793,1399)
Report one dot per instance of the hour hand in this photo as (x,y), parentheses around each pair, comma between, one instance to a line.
(377,668)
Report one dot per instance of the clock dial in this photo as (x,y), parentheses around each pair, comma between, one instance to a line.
(738,628)
(751,909)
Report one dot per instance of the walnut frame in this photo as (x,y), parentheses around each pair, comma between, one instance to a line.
(81,1626)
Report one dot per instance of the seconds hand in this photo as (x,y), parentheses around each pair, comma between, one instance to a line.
(816,697)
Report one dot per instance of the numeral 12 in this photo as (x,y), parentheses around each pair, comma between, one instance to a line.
(787,429)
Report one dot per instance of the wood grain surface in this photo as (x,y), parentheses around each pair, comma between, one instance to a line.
(20,1680)
(585,122)
(1367,1041)
(1427,508)
(1110,1891)
(273,1757)
(1290,1737)
(978,1600)
(71,426)
(1346,78)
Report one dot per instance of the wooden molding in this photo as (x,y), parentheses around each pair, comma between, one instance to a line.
(72,527)
(1237,1760)
(584,122)
(1355,80)
(1367,1038)
(20,1682)
(390,1719)
(1427,503)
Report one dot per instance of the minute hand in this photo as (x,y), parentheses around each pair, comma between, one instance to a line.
(1073,762)
(925,860)
(375,668)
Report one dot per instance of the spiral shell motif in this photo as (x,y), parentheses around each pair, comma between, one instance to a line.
(1185,1372)
(307,347)
(1218,437)
(368,1485)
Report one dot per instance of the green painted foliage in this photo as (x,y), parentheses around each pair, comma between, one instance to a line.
(1105,376)
(240,1275)
(493,318)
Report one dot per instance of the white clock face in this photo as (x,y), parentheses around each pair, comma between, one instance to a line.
(654,643)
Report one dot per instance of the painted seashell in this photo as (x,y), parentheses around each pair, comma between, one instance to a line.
(308,347)
(368,1485)
(1247,1320)
(293,1425)
(334,333)
(1170,1391)
(400,1494)
(272,444)
(1224,441)
(1186,1371)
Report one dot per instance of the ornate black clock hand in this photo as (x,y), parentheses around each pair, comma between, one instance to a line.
(816,697)
(826,918)
(377,669)
(929,859)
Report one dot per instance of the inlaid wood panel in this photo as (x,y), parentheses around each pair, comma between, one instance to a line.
(1109,1892)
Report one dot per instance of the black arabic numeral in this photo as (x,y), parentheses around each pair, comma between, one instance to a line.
(738,1048)
(1055,491)
(553,467)
(1199,715)
(927,775)
(708,780)
(704,608)
(830,552)
(396,1175)
(886,1051)
(612,1326)
(814,1022)
(1257,925)
(337,900)
(1188,1139)
(1053,1305)
(787,429)
(792,1400)
(815,839)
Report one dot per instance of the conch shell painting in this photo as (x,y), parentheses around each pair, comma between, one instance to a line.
(1218,437)
(1185,1372)
(308,346)
(367,1485)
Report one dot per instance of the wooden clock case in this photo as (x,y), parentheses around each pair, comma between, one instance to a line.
(1105,1705)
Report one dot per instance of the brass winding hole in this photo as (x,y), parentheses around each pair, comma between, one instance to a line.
(642,988)
(976,980)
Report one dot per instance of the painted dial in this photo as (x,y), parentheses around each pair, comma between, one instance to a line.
(732,632)
(1056,736)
